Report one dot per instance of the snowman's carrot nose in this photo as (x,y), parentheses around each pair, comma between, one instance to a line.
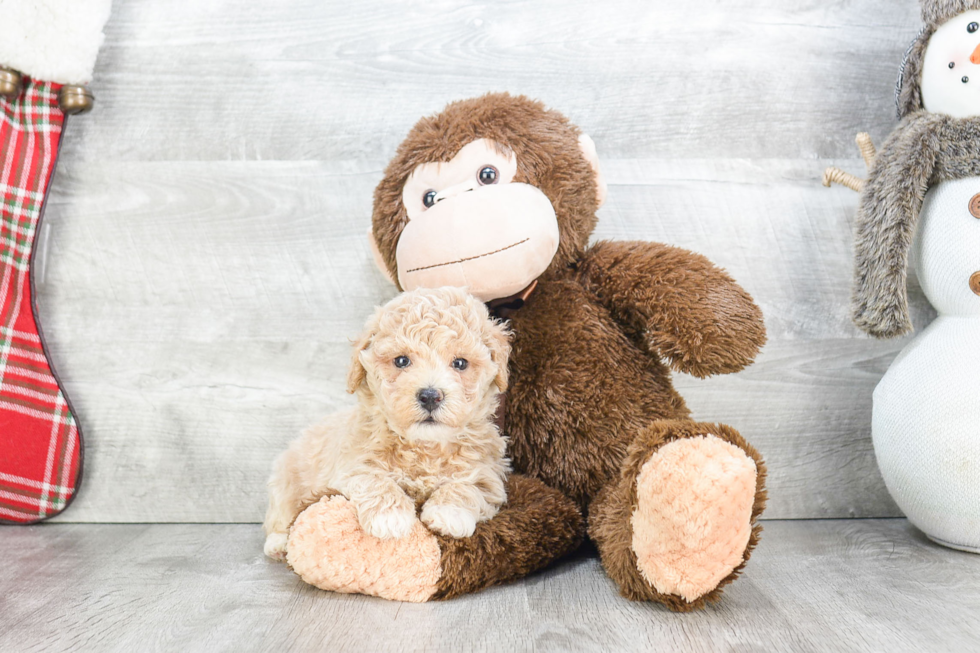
(975,57)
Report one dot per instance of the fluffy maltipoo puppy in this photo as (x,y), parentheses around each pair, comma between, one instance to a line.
(427,373)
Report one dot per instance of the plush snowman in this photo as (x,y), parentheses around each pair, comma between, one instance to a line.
(923,195)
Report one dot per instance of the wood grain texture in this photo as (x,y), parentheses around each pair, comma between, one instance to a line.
(305,79)
(205,262)
(811,586)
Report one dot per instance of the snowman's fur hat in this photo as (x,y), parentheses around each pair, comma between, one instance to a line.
(908,93)
(937,12)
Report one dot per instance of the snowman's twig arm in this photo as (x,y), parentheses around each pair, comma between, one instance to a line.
(835,175)
(886,221)
(867,147)
(676,304)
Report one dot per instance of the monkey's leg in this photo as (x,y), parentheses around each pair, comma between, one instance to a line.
(679,523)
(534,528)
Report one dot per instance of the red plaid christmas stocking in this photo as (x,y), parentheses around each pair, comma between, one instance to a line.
(40,445)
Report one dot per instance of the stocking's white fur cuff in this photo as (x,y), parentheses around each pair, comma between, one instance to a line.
(52,40)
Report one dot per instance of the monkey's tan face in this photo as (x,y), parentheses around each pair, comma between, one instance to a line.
(470,225)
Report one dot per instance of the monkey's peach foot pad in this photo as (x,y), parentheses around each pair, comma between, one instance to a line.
(328,549)
(693,516)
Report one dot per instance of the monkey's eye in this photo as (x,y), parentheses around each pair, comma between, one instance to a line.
(460,364)
(402,361)
(429,198)
(972,27)
(488,175)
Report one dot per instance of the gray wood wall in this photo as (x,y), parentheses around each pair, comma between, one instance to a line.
(205,261)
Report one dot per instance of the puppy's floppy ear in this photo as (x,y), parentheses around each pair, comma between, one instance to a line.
(357,374)
(497,339)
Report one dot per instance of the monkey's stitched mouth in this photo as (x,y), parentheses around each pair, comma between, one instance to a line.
(469,258)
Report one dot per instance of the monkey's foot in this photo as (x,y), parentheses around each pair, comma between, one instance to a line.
(693,515)
(328,548)
(680,522)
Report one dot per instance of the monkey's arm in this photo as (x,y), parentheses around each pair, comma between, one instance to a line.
(678,304)
(886,220)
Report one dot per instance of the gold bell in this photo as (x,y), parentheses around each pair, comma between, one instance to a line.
(75,99)
(10,83)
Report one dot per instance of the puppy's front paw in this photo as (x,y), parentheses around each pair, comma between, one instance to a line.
(449,520)
(275,546)
(390,523)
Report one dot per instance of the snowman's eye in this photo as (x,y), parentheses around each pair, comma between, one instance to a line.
(429,199)
(972,27)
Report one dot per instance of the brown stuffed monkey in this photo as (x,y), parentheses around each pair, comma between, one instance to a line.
(499,194)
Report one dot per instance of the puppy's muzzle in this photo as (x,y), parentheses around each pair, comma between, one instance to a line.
(430,398)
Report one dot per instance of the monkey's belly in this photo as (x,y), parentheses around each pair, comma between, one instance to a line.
(926,431)
(580,391)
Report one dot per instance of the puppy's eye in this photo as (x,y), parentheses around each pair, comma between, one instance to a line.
(402,361)
(487,176)
(972,27)
(460,364)
(429,198)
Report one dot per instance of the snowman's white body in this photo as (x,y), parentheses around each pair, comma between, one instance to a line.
(926,416)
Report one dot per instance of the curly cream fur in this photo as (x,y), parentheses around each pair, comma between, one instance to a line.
(383,455)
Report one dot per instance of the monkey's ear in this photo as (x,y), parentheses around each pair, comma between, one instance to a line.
(379,260)
(587,146)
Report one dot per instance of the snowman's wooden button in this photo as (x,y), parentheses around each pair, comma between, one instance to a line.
(975,206)
(975,283)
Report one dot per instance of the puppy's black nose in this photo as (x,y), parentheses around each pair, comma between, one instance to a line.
(429,398)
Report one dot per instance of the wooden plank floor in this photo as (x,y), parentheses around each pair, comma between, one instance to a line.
(858,585)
